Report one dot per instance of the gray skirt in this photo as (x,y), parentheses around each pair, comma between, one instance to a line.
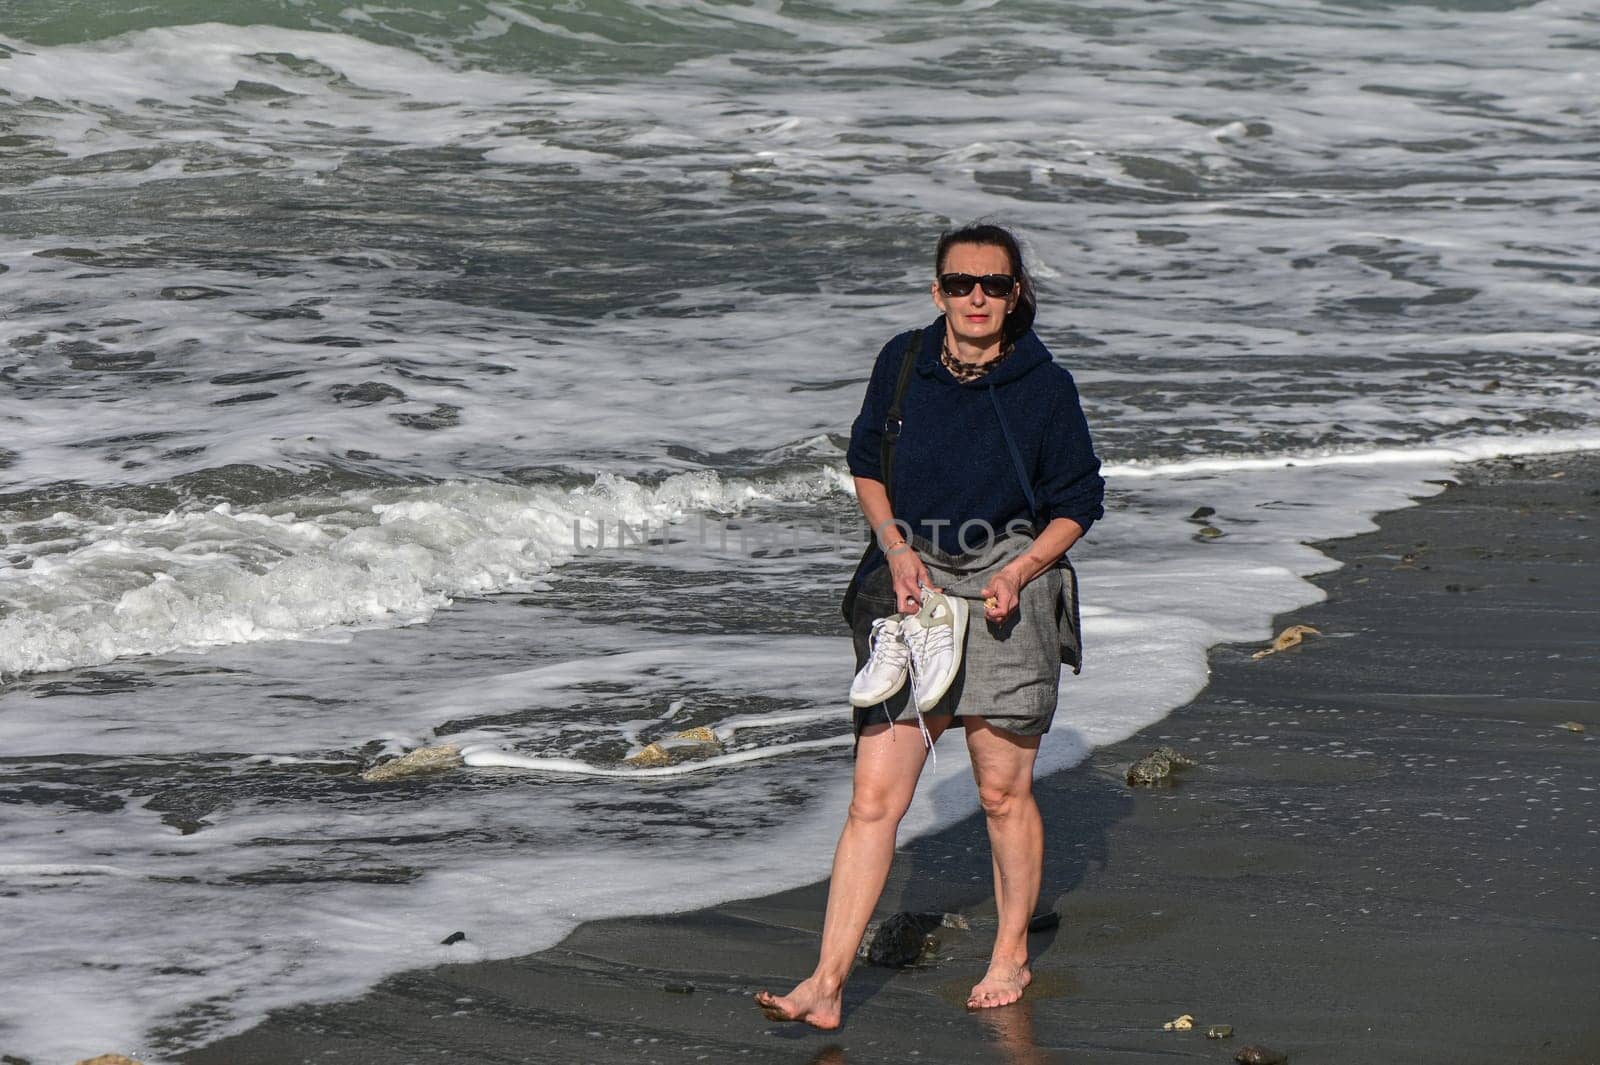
(1010,673)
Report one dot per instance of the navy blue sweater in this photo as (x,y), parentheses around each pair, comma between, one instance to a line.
(952,464)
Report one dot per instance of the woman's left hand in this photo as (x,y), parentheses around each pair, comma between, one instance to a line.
(1001,596)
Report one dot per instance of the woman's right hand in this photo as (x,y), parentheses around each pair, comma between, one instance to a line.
(910,577)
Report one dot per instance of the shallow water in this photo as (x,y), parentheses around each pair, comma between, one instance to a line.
(338,335)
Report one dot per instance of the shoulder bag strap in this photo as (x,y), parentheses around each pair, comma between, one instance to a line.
(894,422)
(892,425)
(1016,459)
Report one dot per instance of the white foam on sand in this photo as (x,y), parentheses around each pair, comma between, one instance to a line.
(1452,452)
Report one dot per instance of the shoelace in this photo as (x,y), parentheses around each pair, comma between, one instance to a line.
(877,653)
(938,638)
(933,640)
(888,645)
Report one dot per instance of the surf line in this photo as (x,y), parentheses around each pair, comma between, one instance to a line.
(494,757)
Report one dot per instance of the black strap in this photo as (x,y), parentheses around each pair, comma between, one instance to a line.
(1016,459)
(894,422)
(891,436)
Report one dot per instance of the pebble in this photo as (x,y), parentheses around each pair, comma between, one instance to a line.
(1290,637)
(1259,1055)
(413,763)
(1157,767)
(652,755)
(902,940)
(452,938)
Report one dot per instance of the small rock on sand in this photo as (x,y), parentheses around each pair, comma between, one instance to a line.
(694,742)
(414,763)
(1219,1031)
(652,755)
(907,938)
(1258,1055)
(1286,639)
(1158,766)
(1179,1024)
(1571,726)
(109,1059)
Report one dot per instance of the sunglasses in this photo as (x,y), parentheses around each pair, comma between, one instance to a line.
(995,286)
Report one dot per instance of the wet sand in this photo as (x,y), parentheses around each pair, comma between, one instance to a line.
(1387,854)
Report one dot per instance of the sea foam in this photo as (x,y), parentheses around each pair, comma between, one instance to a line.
(134,584)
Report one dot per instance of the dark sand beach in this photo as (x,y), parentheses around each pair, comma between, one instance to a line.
(1387,854)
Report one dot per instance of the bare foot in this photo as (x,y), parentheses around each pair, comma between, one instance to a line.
(1002,985)
(807,1002)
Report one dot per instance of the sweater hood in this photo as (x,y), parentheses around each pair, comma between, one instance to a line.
(1029,354)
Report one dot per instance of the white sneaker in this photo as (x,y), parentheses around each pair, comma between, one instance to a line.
(936,636)
(887,663)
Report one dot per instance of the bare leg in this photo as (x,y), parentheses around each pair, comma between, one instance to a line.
(888,762)
(1003,765)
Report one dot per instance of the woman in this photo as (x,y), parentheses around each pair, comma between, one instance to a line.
(983,407)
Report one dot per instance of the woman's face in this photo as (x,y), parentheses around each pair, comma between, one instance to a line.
(976,317)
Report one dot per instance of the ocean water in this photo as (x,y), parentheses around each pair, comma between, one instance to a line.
(378,376)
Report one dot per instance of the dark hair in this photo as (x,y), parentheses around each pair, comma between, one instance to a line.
(1020,320)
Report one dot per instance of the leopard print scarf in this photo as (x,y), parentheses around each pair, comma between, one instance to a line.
(966,372)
